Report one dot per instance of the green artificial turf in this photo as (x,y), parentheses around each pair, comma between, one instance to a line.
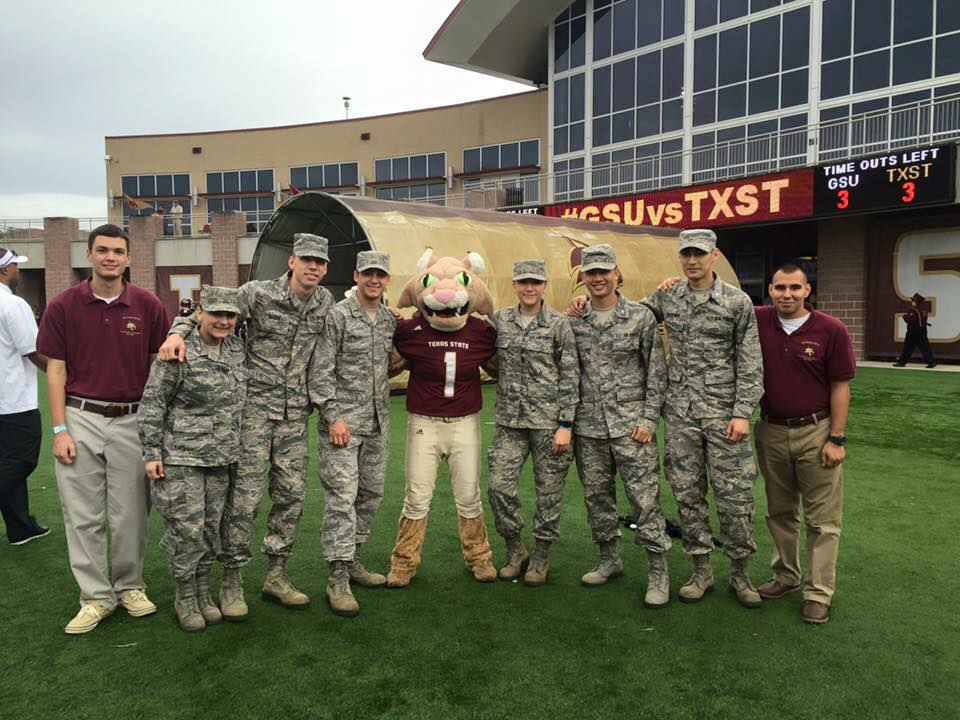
(449,647)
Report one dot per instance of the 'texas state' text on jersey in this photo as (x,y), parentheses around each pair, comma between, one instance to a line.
(445,366)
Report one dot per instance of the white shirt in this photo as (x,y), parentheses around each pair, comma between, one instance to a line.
(791,326)
(18,338)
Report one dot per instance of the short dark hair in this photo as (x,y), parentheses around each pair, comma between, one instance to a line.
(107,230)
(791,266)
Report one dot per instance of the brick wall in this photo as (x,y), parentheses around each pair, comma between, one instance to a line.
(226,228)
(143,233)
(842,274)
(58,233)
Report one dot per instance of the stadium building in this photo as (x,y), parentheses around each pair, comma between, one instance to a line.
(823,130)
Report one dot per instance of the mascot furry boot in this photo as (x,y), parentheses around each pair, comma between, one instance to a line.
(443,346)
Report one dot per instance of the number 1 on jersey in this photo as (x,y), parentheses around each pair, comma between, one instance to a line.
(450,376)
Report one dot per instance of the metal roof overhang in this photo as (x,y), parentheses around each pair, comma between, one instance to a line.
(503,38)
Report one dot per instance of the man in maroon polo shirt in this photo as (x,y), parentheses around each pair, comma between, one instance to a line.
(100,336)
(808,363)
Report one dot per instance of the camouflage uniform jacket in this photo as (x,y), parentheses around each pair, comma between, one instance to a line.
(348,373)
(716,368)
(623,375)
(190,411)
(280,341)
(539,371)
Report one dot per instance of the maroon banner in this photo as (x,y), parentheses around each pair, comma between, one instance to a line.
(767,198)
(177,283)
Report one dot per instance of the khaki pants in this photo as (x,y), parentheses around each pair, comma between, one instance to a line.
(104,487)
(790,462)
(430,440)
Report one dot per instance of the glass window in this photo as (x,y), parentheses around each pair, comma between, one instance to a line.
(349,174)
(793,88)
(623,85)
(649,22)
(381,170)
(561,47)
(510,155)
(601,131)
(231,204)
(490,157)
(764,94)
(214,182)
(912,62)
(264,179)
(648,78)
(732,65)
(130,186)
(871,71)
(181,184)
(948,16)
(248,181)
(602,30)
(731,9)
(672,72)
(231,182)
(837,16)
(436,165)
(148,185)
(471,160)
(731,102)
(622,126)
(315,176)
(834,79)
(576,137)
(796,39)
(561,102)
(578,42)
(673,18)
(331,175)
(948,55)
(871,25)
(164,184)
(705,13)
(671,116)
(764,47)
(704,108)
(576,97)
(530,152)
(705,63)
(757,5)
(624,26)
(912,20)
(400,168)
(601,90)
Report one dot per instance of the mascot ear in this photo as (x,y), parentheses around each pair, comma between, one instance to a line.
(426,260)
(408,296)
(474,262)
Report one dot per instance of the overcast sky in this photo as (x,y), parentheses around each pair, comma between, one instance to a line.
(75,72)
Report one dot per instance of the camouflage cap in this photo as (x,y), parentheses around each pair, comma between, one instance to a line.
(373,260)
(219,299)
(598,257)
(701,239)
(530,270)
(307,245)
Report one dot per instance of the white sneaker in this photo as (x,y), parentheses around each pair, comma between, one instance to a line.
(137,604)
(87,619)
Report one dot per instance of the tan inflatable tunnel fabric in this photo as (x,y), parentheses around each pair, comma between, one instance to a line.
(646,255)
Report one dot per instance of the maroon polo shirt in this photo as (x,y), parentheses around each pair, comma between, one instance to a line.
(798,368)
(107,348)
(445,366)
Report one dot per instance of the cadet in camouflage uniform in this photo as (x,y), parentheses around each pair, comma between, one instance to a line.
(537,394)
(349,384)
(285,317)
(622,383)
(715,381)
(189,425)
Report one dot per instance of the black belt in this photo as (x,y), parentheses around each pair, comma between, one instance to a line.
(812,419)
(110,410)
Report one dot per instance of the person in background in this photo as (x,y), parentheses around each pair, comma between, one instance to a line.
(917,322)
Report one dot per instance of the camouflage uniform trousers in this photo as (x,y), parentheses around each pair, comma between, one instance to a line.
(598,461)
(277,448)
(691,448)
(353,479)
(191,502)
(507,454)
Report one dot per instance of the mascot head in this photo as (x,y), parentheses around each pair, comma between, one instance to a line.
(447,290)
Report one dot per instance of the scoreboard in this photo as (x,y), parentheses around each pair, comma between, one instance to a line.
(896,179)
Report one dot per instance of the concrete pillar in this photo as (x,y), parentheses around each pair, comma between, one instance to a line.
(143,233)
(58,234)
(842,275)
(226,229)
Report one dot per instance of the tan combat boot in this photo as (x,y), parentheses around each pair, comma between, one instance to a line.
(658,581)
(406,552)
(700,583)
(362,576)
(233,607)
(277,587)
(188,614)
(741,586)
(517,557)
(536,574)
(211,613)
(609,567)
(339,597)
(476,548)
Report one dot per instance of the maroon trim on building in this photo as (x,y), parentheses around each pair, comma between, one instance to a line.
(481,173)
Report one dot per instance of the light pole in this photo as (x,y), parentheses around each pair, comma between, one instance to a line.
(346,107)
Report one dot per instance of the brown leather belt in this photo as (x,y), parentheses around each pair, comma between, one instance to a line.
(798,421)
(110,410)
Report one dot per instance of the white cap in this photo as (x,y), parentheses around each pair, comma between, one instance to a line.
(9,257)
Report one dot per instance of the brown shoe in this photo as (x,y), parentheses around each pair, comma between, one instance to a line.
(406,552)
(773,589)
(475,545)
(815,613)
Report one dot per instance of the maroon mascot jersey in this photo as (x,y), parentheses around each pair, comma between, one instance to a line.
(445,366)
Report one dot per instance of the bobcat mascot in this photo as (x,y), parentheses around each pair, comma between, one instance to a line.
(444,347)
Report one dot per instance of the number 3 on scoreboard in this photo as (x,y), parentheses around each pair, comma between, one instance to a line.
(844,197)
(909,192)
(450,374)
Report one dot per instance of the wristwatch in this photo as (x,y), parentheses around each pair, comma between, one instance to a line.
(840,440)
(57,429)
